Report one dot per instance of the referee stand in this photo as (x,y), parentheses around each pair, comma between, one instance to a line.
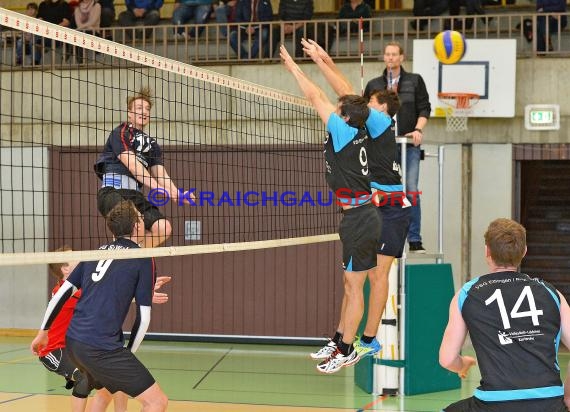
(414,319)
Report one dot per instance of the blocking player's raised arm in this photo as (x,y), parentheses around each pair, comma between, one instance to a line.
(311,91)
(332,73)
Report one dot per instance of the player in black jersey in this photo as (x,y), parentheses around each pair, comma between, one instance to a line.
(386,182)
(131,160)
(94,337)
(347,170)
(515,323)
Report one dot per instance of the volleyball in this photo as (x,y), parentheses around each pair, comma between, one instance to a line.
(449,46)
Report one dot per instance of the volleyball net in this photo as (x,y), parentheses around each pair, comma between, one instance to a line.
(251,155)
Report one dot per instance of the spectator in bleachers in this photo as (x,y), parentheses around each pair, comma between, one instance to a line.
(351,9)
(291,13)
(24,43)
(472,7)
(88,16)
(547,25)
(252,11)
(107,13)
(224,12)
(428,8)
(56,12)
(354,9)
(140,12)
(190,11)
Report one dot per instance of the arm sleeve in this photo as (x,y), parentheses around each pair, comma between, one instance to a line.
(145,285)
(377,123)
(139,328)
(56,303)
(143,298)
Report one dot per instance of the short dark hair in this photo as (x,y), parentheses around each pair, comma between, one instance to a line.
(144,94)
(122,218)
(396,44)
(506,240)
(32,5)
(355,108)
(390,97)
(55,268)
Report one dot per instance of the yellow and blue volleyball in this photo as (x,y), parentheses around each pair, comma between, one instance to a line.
(449,46)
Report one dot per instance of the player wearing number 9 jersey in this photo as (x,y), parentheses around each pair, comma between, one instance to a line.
(346,171)
(515,323)
(94,337)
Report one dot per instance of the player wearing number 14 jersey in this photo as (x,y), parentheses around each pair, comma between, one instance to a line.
(515,323)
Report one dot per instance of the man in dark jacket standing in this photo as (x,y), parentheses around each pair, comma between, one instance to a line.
(410,121)
(250,12)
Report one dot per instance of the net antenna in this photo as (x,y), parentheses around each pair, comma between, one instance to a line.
(458,110)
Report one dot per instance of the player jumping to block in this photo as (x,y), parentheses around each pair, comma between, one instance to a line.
(392,205)
(347,170)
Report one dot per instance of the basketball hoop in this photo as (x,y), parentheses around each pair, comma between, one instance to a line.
(460,105)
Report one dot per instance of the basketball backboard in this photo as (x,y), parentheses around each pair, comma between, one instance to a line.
(487,69)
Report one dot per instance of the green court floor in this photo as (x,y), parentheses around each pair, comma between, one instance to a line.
(229,374)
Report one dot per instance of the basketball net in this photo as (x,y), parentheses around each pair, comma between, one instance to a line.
(460,104)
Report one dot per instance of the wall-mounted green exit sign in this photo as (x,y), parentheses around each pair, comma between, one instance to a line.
(542,116)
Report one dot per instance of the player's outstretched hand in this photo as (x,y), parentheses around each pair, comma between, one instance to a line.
(287,60)
(468,362)
(39,342)
(159,297)
(314,50)
(160,281)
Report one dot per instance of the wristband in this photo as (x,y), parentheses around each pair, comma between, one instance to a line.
(418,130)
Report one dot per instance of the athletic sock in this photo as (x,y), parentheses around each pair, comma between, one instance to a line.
(367,339)
(345,348)
(337,337)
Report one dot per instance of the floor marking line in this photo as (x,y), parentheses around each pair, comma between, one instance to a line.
(212,368)
(17,399)
(371,404)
